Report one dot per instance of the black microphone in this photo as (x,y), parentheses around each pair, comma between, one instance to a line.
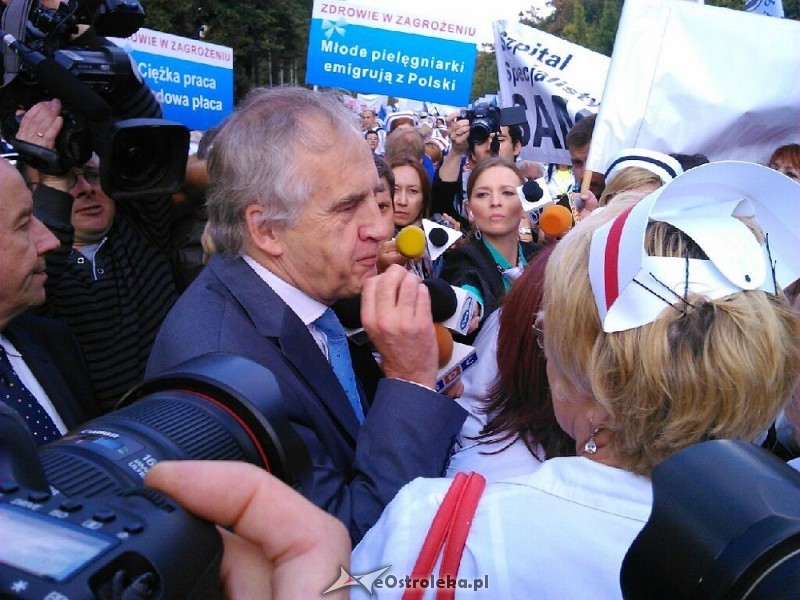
(438,237)
(443,304)
(532,191)
(60,82)
(443,299)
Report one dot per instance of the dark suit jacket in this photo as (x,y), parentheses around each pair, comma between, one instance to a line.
(357,470)
(53,355)
(472,263)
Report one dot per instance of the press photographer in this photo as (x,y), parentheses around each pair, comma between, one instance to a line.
(49,52)
(476,134)
(116,273)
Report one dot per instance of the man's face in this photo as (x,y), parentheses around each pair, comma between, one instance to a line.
(508,148)
(578,157)
(334,247)
(92,211)
(367,120)
(23,242)
(372,140)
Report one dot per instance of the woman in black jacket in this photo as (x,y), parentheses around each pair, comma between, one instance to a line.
(492,256)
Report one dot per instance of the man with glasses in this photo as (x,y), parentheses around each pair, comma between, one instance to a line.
(369,122)
(111,280)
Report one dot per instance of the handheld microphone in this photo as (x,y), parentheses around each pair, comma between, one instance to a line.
(531,191)
(348,310)
(410,242)
(438,237)
(444,304)
(53,76)
(534,196)
(444,342)
(555,220)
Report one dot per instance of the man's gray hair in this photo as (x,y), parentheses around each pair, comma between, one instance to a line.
(261,156)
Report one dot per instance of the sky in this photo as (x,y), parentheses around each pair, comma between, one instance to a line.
(483,11)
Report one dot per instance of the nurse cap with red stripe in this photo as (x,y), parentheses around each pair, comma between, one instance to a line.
(631,289)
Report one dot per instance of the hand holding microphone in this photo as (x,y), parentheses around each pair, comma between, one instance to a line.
(396,314)
(444,304)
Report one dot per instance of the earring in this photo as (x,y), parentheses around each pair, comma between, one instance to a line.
(478,234)
(590,447)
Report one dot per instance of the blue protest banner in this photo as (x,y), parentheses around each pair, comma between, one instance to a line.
(385,51)
(192,79)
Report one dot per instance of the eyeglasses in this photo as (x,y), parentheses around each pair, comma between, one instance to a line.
(90,174)
(538,333)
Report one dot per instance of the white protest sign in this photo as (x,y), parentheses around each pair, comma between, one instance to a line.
(554,80)
(692,78)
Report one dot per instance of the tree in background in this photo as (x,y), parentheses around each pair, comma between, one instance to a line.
(269,37)
(485,80)
(593,23)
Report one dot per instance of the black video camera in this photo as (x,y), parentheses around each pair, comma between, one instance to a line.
(99,87)
(485,120)
(75,520)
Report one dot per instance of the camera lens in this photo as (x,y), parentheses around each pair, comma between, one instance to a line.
(140,156)
(143,156)
(479,131)
(216,407)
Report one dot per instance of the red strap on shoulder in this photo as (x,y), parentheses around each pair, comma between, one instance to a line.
(459,530)
(448,531)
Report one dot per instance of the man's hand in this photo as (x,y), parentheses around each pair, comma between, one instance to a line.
(41,123)
(388,255)
(281,547)
(396,314)
(458,131)
(40,126)
(589,203)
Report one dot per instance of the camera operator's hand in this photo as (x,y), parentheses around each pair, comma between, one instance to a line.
(41,124)
(281,547)
(396,314)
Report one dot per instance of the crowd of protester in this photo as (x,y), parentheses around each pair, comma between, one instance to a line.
(565,414)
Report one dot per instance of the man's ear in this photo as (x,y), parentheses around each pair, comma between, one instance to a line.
(263,235)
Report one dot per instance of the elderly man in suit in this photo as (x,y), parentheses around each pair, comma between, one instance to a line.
(42,373)
(293,216)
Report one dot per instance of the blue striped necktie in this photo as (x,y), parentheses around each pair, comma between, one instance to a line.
(14,393)
(339,357)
